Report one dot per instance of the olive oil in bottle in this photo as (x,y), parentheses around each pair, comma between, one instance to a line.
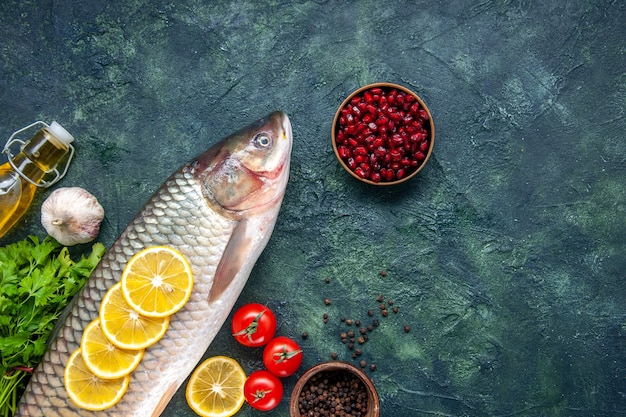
(34,166)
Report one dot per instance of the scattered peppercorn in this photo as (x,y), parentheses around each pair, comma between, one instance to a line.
(349,322)
(370,312)
(395,310)
(305,335)
(334,355)
(363,364)
(357,323)
(390,302)
(383,273)
(361,340)
(384,313)
(327,280)
(327,301)
(379,298)
(372,367)
(382,306)
(407,328)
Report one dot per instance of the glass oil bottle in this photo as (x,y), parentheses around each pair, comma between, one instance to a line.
(34,166)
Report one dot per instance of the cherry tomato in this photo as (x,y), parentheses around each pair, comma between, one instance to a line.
(253,325)
(263,390)
(282,356)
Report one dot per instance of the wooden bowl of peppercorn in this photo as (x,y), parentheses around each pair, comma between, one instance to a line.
(383,134)
(330,387)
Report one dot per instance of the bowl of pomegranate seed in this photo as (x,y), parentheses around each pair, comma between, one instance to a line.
(383,134)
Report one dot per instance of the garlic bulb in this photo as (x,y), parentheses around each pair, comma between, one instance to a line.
(72,215)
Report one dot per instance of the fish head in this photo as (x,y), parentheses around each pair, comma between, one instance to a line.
(249,169)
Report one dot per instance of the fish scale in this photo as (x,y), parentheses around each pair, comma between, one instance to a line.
(183,215)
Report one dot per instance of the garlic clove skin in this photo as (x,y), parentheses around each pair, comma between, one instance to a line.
(72,215)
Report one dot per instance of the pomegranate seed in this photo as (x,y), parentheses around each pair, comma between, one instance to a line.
(381,134)
(396,155)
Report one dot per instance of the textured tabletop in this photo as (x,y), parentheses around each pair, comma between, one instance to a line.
(505,255)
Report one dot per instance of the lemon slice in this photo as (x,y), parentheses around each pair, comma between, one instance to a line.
(215,388)
(87,390)
(103,358)
(124,326)
(157,281)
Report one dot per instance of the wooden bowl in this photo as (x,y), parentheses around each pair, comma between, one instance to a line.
(373,404)
(363,138)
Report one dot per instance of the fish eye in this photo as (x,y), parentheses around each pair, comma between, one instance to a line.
(262,140)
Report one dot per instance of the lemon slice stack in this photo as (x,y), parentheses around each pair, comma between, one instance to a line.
(134,314)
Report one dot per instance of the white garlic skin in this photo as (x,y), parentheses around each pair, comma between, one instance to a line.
(72,215)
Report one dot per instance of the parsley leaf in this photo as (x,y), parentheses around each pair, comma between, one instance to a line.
(37,280)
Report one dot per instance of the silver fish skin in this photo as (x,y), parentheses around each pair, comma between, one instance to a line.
(218,210)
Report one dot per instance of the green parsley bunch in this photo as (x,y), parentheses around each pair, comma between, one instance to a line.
(37,280)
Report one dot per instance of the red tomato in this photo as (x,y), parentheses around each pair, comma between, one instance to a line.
(263,390)
(253,325)
(282,356)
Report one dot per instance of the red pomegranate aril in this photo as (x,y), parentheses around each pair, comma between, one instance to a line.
(356,111)
(373,126)
(424,114)
(344,153)
(405,162)
(378,142)
(360,150)
(424,146)
(360,172)
(359,159)
(353,143)
(371,109)
(388,175)
(414,109)
(376,90)
(351,163)
(400,173)
(396,155)
(375,177)
(419,156)
(367,96)
(396,140)
(368,118)
(380,152)
(409,98)
(355,100)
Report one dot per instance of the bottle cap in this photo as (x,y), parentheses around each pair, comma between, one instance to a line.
(60,133)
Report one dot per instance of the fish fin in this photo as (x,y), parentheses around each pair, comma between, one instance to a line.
(232,260)
(165,399)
